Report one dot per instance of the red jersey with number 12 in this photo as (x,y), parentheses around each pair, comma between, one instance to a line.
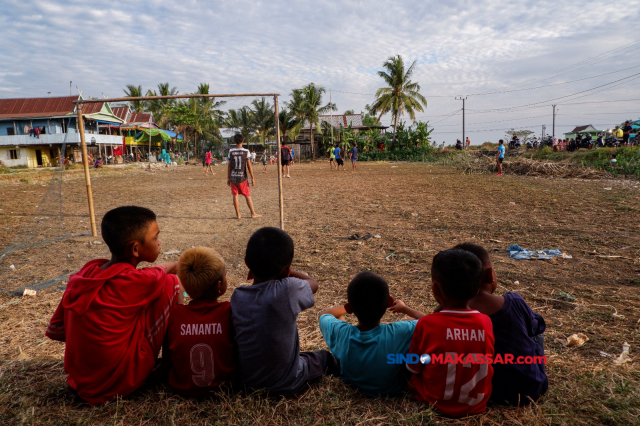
(455,389)
(200,347)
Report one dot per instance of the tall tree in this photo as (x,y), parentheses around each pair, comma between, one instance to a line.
(288,125)
(264,118)
(401,94)
(160,107)
(134,92)
(242,120)
(307,105)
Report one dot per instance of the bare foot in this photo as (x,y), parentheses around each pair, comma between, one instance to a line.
(253,216)
(239,217)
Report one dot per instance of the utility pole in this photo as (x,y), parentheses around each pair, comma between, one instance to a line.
(543,129)
(464,141)
(554,121)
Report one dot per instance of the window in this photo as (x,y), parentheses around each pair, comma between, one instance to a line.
(10,131)
(14,154)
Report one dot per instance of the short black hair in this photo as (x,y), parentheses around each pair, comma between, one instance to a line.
(459,273)
(476,249)
(238,138)
(269,250)
(368,296)
(500,141)
(124,224)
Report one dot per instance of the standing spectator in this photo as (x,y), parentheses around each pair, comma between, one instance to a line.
(264,161)
(332,156)
(468,142)
(207,160)
(500,157)
(285,158)
(353,155)
(338,154)
(626,129)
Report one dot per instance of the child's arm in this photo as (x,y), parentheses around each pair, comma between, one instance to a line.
(337,311)
(312,283)
(400,308)
(55,329)
(250,169)
(169,267)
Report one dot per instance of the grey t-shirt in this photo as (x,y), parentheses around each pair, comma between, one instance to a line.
(264,318)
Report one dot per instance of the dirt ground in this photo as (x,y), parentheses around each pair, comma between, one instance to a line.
(416,209)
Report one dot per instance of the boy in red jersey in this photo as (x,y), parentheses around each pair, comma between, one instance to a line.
(198,348)
(454,386)
(112,316)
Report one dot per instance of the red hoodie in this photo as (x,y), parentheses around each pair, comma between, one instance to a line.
(112,323)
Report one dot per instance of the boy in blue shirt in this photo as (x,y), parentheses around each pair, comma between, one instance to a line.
(500,157)
(362,349)
(517,331)
(339,162)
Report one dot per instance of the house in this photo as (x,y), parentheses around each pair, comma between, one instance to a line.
(583,129)
(33,131)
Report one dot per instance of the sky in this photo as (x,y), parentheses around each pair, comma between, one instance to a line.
(583,56)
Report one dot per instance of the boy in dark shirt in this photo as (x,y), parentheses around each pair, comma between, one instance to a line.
(264,318)
(237,175)
(518,332)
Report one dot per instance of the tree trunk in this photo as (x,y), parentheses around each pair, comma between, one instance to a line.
(311,136)
(395,129)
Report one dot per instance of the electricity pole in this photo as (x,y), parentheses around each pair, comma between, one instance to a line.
(554,121)
(543,129)
(464,141)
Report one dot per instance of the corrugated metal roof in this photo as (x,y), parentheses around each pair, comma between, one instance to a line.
(37,107)
(141,117)
(121,112)
(337,121)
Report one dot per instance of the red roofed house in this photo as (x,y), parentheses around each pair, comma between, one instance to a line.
(33,131)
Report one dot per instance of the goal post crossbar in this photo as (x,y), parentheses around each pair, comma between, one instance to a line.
(83,142)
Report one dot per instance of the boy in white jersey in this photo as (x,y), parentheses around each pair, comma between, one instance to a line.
(237,175)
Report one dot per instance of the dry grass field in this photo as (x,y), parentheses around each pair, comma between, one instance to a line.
(417,209)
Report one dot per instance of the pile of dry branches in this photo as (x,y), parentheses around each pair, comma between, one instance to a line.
(528,167)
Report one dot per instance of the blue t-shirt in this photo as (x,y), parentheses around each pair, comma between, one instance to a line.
(264,318)
(514,325)
(363,355)
(354,153)
(336,152)
(501,151)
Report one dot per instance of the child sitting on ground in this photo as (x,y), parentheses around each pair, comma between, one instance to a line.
(112,316)
(198,349)
(452,343)
(264,317)
(363,349)
(518,332)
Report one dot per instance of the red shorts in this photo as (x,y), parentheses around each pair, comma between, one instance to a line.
(241,188)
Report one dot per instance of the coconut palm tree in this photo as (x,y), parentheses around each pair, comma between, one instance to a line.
(306,104)
(242,120)
(400,95)
(288,125)
(134,92)
(160,107)
(264,118)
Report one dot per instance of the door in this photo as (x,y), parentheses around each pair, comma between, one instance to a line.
(39,157)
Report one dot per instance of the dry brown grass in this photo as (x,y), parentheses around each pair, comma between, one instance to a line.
(418,210)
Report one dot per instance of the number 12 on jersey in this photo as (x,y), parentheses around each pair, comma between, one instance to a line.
(464,388)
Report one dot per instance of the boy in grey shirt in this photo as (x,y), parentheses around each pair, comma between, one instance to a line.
(264,318)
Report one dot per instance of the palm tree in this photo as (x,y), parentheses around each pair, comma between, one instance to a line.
(264,118)
(242,120)
(159,107)
(306,104)
(134,92)
(401,94)
(288,125)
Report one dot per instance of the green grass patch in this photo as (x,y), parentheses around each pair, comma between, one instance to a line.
(628,159)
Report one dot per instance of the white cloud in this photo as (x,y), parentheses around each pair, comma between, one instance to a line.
(246,46)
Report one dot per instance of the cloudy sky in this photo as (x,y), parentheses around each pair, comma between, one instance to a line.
(583,56)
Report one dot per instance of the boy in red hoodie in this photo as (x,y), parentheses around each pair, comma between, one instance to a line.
(113,316)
